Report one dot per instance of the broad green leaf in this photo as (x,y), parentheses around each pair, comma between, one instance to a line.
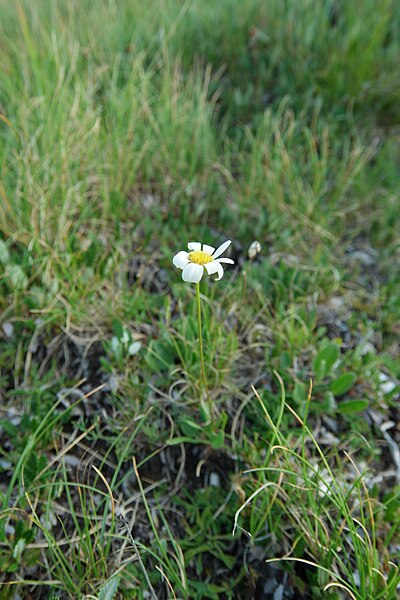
(217,439)
(325,360)
(18,549)
(299,392)
(325,406)
(285,360)
(159,356)
(352,406)
(189,427)
(343,384)
(118,329)
(182,439)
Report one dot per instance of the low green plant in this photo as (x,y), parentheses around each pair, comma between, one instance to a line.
(336,528)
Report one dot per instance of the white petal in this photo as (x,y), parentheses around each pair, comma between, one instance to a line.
(220,272)
(192,272)
(228,261)
(222,248)
(181,259)
(195,246)
(208,249)
(211,267)
(214,267)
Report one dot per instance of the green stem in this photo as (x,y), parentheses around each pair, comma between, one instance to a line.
(203,370)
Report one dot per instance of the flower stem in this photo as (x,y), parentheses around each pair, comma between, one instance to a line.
(203,370)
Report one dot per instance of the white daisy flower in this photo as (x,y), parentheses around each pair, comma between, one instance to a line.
(200,259)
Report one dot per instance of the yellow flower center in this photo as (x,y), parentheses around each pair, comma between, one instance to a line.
(200,257)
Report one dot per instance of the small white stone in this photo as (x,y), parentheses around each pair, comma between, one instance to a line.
(367,348)
(387,384)
(113,384)
(280,590)
(214,480)
(366,259)
(8,329)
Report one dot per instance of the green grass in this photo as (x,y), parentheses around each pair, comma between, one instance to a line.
(126,131)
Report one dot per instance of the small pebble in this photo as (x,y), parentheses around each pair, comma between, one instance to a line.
(8,329)
(214,480)
(387,384)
